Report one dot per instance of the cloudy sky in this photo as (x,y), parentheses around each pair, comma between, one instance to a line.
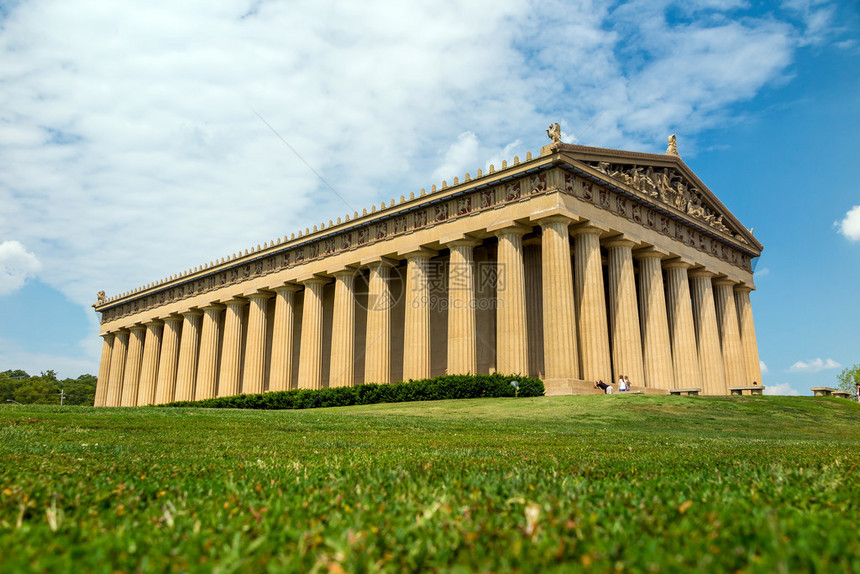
(141,139)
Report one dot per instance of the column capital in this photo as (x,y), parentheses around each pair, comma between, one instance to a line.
(259,294)
(698,272)
(418,253)
(378,261)
(192,313)
(619,241)
(344,272)
(459,239)
(508,228)
(677,263)
(556,218)
(236,300)
(555,212)
(589,228)
(651,252)
(287,288)
(314,280)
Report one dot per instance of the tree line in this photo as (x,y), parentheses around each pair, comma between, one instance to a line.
(16,386)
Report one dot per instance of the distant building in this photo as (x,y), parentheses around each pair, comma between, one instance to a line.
(580,264)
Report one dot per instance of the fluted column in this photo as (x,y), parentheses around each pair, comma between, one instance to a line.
(186,373)
(310,351)
(561,356)
(282,338)
(131,378)
(748,340)
(657,350)
(230,377)
(707,334)
(377,355)
(592,325)
(207,364)
(254,374)
(165,388)
(416,328)
(512,343)
(730,335)
(149,366)
(117,369)
(624,313)
(533,262)
(342,365)
(104,370)
(682,330)
(462,337)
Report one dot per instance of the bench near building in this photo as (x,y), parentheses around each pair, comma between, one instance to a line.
(580,264)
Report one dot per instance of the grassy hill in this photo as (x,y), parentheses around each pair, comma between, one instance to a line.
(627,483)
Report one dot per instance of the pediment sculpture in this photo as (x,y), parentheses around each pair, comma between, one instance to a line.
(669,187)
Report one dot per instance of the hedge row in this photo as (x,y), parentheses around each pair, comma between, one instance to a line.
(439,388)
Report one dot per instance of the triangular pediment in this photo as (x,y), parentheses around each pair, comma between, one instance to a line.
(665,180)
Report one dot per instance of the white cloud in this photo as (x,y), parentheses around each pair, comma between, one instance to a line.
(781,389)
(462,155)
(813,365)
(130,147)
(16,266)
(763,366)
(850,224)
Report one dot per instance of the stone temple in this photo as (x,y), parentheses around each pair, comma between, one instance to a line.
(580,264)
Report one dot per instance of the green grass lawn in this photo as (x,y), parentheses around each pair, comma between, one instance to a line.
(627,483)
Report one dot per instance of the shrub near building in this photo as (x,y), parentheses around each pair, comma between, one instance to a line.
(436,389)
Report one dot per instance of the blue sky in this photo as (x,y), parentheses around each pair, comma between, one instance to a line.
(131,148)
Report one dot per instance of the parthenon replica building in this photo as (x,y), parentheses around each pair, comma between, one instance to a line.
(580,264)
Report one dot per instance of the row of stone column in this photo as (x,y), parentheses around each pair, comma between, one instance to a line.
(691,332)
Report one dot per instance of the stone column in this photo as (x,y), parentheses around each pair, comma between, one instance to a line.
(117,369)
(104,370)
(207,364)
(705,316)
(685,354)
(149,368)
(416,328)
(533,262)
(165,387)
(730,336)
(591,305)
(310,350)
(512,343)
(748,340)
(657,350)
(230,377)
(342,365)
(561,357)
(132,366)
(186,373)
(254,375)
(462,337)
(377,356)
(282,338)
(624,313)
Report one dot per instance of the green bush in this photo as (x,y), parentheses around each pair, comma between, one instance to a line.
(437,389)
